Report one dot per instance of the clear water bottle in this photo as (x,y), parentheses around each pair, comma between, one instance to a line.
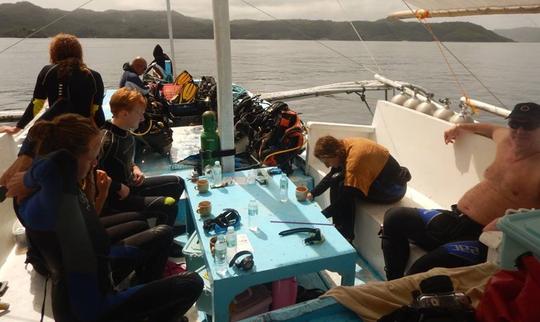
(253,210)
(283,188)
(220,254)
(230,237)
(216,172)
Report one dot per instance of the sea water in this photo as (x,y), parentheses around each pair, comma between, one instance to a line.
(279,65)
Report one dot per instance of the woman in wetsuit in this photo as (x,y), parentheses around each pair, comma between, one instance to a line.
(68,85)
(63,225)
(360,169)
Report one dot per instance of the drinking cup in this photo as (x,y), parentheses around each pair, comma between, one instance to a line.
(202,185)
(301,193)
(205,208)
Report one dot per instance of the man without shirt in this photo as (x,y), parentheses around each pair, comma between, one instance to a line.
(451,236)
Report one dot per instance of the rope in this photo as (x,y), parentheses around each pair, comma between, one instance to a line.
(427,26)
(359,37)
(309,37)
(47,25)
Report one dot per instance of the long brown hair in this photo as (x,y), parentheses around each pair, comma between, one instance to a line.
(65,50)
(69,131)
(329,147)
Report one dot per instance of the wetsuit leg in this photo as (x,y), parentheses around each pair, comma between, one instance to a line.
(113,219)
(455,254)
(165,300)
(118,232)
(342,208)
(168,186)
(401,225)
(157,207)
(154,245)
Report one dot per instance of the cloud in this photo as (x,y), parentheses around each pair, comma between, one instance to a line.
(286,9)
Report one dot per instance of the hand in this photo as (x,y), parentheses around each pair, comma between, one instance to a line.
(22,163)
(103,183)
(138,176)
(16,187)
(123,192)
(309,196)
(451,134)
(9,129)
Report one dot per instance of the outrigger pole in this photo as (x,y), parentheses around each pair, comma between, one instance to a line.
(222,39)
(171,37)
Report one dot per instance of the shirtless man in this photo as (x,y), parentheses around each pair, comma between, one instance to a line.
(451,236)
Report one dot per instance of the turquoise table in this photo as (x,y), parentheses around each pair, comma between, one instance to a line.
(275,257)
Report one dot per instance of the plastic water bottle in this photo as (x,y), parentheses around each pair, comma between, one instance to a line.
(253,210)
(216,171)
(231,238)
(168,71)
(283,188)
(220,254)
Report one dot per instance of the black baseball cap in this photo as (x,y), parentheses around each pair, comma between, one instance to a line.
(527,112)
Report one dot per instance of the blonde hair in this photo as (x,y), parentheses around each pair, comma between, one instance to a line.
(329,147)
(124,99)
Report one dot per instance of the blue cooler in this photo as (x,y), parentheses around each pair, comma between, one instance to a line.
(521,233)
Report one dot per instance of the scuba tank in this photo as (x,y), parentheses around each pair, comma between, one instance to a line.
(209,140)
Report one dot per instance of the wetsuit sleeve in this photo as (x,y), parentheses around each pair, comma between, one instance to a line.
(40,93)
(99,115)
(335,174)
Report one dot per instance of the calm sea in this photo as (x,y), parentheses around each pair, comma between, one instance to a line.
(510,70)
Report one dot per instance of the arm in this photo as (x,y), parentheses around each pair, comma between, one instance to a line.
(332,176)
(487,130)
(138,176)
(103,182)
(38,99)
(97,111)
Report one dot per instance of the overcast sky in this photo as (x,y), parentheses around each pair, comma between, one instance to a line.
(284,9)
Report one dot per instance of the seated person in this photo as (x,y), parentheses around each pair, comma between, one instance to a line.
(359,169)
(131,76)
(64,226)
(512,181)
(130,190)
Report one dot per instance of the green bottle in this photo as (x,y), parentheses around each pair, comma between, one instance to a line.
(209,139)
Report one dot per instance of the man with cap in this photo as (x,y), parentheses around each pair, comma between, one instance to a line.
(512,181)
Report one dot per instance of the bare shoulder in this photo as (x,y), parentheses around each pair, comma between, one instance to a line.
(500,133)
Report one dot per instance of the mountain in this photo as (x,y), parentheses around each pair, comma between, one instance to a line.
(21,18)
(525,34)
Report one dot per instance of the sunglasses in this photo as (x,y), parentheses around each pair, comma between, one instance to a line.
(527,126)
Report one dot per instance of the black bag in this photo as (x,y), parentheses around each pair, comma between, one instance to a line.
(436,302)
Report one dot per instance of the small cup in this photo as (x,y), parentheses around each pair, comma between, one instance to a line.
(202,185)
(301,193)
(205,208)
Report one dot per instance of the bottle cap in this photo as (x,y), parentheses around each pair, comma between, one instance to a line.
(216,163)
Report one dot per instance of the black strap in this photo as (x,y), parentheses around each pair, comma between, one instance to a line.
(44,298)
(298,230)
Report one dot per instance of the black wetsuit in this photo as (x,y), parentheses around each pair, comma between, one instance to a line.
(150,197)
(389,186)
(65,228)
(449,236)
(79,93)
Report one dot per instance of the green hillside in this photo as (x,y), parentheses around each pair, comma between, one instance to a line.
(21,18)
